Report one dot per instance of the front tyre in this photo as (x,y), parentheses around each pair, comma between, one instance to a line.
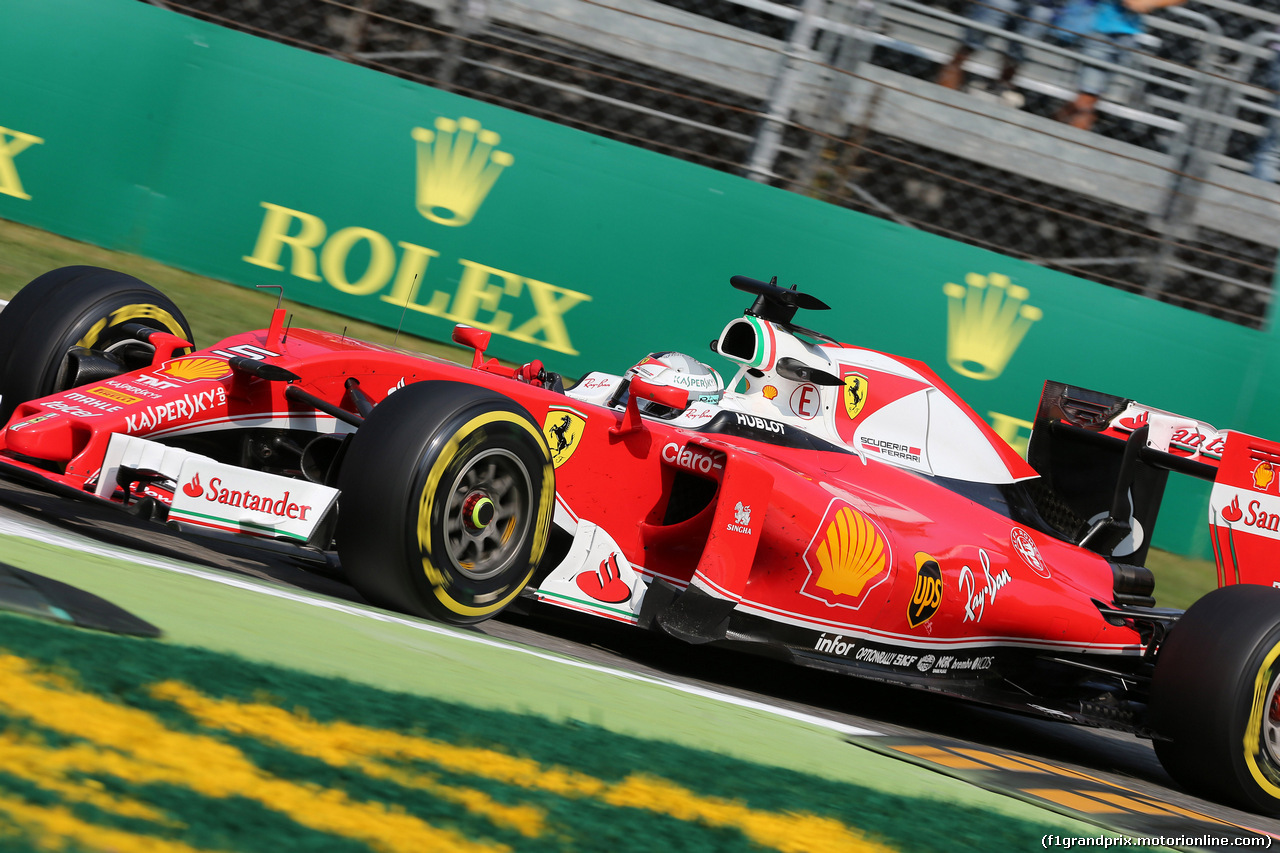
(447,493)
(1215,698)
(79,311)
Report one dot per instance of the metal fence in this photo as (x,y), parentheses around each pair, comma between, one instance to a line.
(837,99)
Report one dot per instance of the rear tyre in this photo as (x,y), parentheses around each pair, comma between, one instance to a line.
(78,309)
(447,494)
(1215,698)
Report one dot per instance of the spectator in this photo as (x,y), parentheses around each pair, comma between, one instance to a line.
(1031,18)
(1111,29)
(1266,157)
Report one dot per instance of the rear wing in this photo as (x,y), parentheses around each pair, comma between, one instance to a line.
(1108,459)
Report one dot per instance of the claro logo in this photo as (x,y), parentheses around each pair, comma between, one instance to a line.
(217,493)
(691,459)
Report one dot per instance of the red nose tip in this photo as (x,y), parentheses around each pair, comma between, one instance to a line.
(49,435)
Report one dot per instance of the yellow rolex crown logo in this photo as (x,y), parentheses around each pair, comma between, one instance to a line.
(987,319)
(457,166)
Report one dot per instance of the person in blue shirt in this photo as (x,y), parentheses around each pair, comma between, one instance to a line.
(1110,29)
(1266,157)
(1028,18)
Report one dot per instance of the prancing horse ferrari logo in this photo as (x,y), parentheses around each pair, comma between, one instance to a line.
(562,429)
(855,393)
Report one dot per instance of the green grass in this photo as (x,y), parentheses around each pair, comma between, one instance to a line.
(190,747)
(215,309)
(1180,580)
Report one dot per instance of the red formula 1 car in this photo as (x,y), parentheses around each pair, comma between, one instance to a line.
(832,505)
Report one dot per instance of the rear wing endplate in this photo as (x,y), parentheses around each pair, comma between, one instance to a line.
(1109,457)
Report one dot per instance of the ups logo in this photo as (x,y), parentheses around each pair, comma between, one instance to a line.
(927,596)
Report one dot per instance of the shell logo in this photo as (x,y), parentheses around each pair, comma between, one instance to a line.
(847,558)
(1263,474)
(191,369)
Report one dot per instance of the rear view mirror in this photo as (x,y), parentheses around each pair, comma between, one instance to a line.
(666,395)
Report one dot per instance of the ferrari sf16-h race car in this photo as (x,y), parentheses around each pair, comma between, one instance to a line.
(831,505)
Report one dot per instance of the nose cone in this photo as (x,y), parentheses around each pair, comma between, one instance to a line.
(53,436)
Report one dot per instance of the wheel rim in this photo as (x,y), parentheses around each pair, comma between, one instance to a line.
(1271,721)
(487,513)
(133,352)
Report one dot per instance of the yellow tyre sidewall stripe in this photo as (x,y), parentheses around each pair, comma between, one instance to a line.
(1253,730)
(542,522)
(136,311)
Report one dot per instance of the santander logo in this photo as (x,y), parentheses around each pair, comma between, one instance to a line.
(1136,423)
(1233,513)
(1254,515)
(218,492)
(605,583)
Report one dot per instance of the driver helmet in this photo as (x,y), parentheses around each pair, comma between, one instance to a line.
(677,370)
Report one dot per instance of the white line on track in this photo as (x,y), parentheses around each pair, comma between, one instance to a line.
(27,531)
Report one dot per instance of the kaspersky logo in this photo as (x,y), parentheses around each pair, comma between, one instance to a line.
(986,322)
(457,166)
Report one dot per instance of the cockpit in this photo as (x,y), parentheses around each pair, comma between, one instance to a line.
(790,379)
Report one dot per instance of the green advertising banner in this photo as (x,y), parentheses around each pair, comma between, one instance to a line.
(136,128)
